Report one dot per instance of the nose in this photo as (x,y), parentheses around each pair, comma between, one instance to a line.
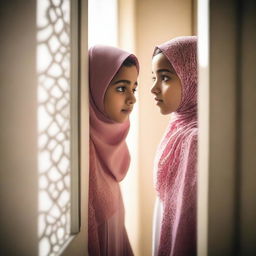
(130,100)
(155,88)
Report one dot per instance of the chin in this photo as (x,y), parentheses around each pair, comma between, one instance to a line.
(164,112)
(120,121)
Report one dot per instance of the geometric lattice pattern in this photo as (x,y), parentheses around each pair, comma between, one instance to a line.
(53,66)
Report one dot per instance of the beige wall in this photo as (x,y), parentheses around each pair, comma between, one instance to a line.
(156,22)
(247,206)
(18,131)
(230,151)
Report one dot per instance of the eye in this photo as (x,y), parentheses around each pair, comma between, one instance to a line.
(153,78)
(120,89)
(134,90)
(165,78)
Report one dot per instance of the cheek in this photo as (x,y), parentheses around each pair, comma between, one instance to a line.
(175,97)
(109,104)
(167,91)
(117,100)
(113,103)
(172,95)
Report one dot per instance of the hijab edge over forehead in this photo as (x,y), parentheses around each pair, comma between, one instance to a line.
(175,45)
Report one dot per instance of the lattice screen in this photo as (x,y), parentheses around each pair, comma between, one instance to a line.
(54,125)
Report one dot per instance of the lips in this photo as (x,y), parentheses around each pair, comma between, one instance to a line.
(158,100)
(127,110)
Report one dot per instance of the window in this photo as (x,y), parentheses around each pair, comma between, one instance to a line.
(57,124)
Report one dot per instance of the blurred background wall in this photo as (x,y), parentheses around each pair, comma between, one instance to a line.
(143,24)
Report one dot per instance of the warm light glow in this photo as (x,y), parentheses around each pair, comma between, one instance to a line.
(102,23)
(203,28)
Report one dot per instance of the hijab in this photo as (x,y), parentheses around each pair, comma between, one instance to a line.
(109,155)
(176,157)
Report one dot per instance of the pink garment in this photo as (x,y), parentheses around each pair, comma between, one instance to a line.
(109,159)
(176,159)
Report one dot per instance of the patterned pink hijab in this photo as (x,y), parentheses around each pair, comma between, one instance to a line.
(109,155)
(176,159)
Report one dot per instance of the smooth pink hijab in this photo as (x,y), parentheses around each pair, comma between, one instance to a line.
(109,158)
(176,159)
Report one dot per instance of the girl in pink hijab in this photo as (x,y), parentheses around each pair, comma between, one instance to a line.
(112,80)
(174,66)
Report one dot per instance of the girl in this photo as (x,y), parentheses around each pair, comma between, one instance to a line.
(112,80)
(174,66)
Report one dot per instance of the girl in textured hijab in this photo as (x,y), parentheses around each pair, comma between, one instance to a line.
(174,67)
(113,80)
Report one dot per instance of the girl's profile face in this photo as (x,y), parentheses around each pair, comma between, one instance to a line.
(119,97)
(166,85)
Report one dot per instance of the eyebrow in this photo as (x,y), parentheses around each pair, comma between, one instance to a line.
(125,82)
(165,70)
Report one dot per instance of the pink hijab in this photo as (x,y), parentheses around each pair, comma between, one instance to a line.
(176,159)
(109,155)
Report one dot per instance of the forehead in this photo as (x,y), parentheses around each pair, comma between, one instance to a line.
(126,73)
(160,61)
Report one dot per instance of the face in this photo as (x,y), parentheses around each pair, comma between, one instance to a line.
(166,85)
(119,97)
